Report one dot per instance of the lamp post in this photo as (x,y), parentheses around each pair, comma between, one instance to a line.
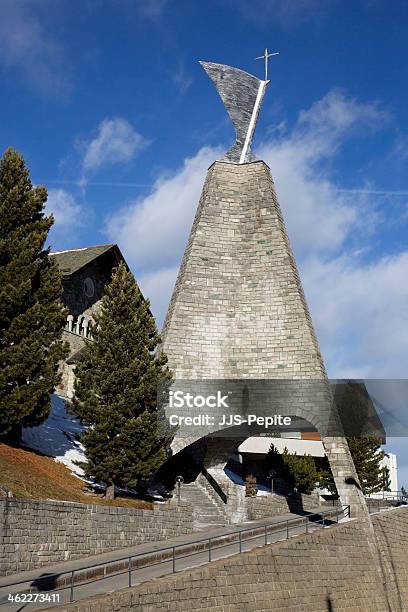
(179,481)
(272,474)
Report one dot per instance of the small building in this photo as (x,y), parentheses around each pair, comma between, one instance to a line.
(253,450)
(85,273)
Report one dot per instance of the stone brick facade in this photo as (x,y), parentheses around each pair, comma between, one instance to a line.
(330,569)
(238,310)
(67,368)
(264,506)
(35,533)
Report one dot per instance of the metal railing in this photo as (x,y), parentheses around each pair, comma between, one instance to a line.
(378,505)
(171,554)
(389,495)
(215,485)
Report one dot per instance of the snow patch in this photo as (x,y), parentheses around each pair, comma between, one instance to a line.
(263,492)
(56,437)
(234,477)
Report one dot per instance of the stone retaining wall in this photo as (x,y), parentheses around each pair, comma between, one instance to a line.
(331,569)
(34,533)
(264,506)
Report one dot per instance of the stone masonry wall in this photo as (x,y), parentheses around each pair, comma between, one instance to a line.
(391,529)
(264,506)
(330,569)
(74,297)
(238,310)
(34,533)
(66,386)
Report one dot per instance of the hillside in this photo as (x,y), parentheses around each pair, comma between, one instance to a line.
(31,475)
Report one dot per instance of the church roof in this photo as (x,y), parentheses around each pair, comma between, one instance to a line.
(72,260)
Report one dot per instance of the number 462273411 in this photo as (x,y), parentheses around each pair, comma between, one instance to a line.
(34,597)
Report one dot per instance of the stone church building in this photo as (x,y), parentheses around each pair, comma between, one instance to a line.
(85,273)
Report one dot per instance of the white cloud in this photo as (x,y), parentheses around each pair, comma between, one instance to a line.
(181,79)
(357,307)
(361,315)
(68,214)
(358,302)
(305,196)
(306,191)
(329,118)
(153,231)
(116,141)
(27,45)
(158,286)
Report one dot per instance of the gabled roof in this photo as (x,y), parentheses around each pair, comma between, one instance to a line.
(72,260)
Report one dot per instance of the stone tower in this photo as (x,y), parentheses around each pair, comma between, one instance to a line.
(238,310)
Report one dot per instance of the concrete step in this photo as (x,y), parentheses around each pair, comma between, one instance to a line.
(206,513)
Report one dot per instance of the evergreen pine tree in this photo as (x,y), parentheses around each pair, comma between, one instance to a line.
(367,454)
(298,471)
(31,315)
(386,479)
(116,389)
(302,471)
(273,460)
(326,480)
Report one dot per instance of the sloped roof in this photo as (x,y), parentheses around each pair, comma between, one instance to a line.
(72,260)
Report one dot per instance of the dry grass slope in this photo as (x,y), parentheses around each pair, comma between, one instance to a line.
(31,475)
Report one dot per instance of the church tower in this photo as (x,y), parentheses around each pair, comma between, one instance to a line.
(238,310)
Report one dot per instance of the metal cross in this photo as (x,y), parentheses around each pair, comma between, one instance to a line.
(266,57)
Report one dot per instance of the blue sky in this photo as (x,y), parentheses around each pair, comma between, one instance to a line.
(108,104)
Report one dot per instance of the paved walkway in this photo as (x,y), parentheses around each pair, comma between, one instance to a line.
(114,566)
